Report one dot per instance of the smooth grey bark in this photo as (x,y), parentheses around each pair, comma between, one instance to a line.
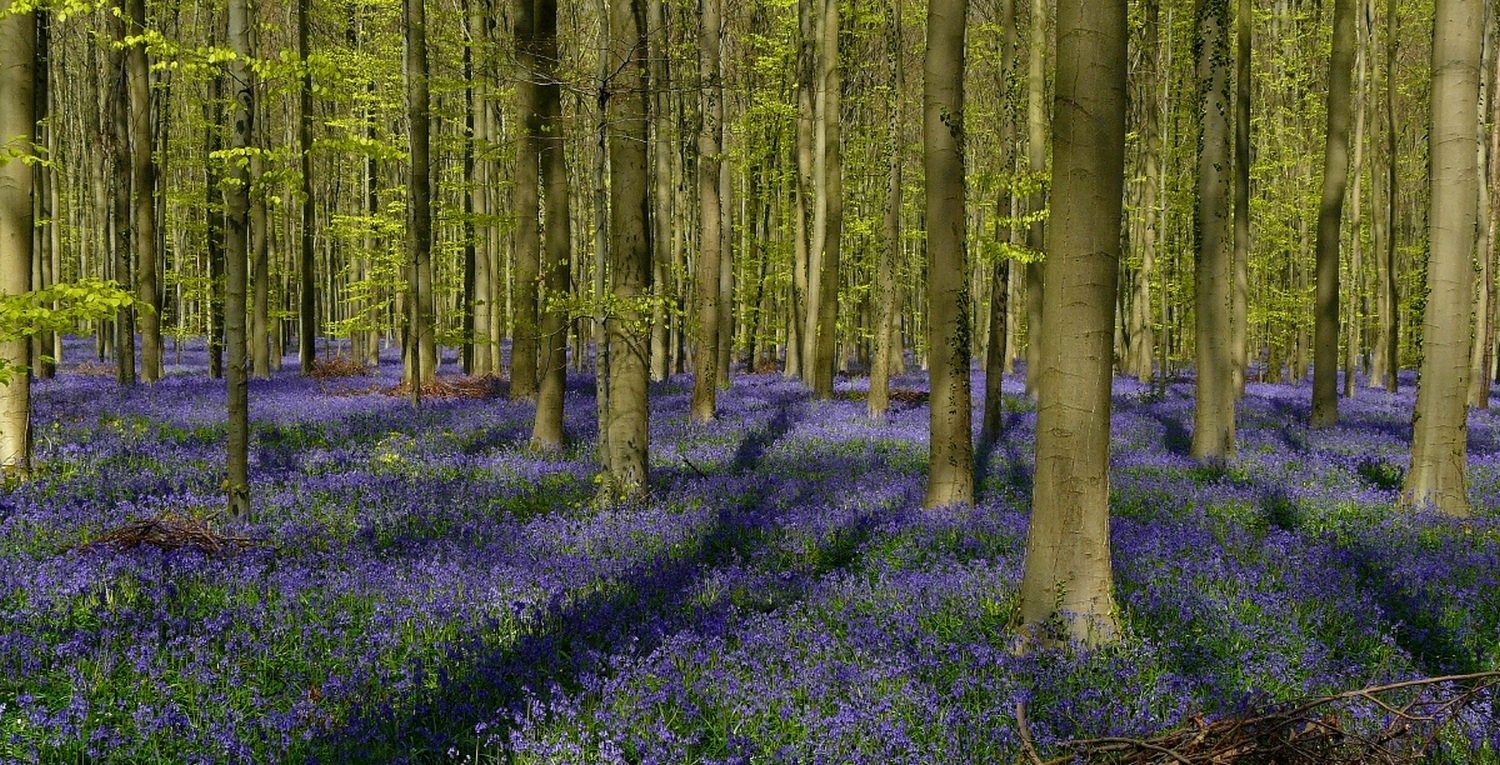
(307,300)
(950,471)
(1036,163)
(997,350)
(237,251)
(528,237)
(422,341)
(1213,411)
(1240,289)
(17,133)
(1325,393)
(710,144)
(143,190)
(1068,583)
(626,437)
(1438,475)
(886,321)
(557,263)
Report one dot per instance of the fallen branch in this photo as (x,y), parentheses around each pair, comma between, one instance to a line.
(168,531)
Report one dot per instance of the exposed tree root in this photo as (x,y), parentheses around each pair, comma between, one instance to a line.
(1308,732)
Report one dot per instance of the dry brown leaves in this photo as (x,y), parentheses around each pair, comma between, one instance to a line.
(487,386)
(901,395)
(168,531)
(338,366)
(1307,733)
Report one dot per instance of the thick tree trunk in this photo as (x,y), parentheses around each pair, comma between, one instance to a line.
(237,245)
(710,140)
(547,432)
(886,321)
(1213,413)
(950,472)
(307,304)
(1325,396)
(143,190)
(422,355)
(17,131)
(626,436)
(1438,475)
(1067,572)
(523,349)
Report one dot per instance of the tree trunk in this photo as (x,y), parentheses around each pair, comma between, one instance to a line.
(523,349)
(828,228)
(997,352)
(143,190)
(1438,475)
(1392,321)
(422,354)
(626,435)
(237,245)
(950,472)
(1325,397)
(1356,209)
(1239,321)
(662,147)
(1143,342)
(1213,413)
(799,334)
(18,125)
(547,432)
(710,143)
(119,151)
(1480,376)
(307,306)
(887,322)
(1067,572)
(1036,163)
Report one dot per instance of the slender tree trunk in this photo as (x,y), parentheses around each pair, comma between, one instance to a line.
(547,432)
(143,190)
(1392,321)
(307,306)
(1143,342)
(237,245)
(1213,414)
(887,322)
(1325,398)
(523,349)
(710,143)
(44,179)
(1036,163)
(626,435)
(997,352)
(1480,375)
(119,151)
(17,130)
(662,148)
(1356,210)
(1438,474)
(1239,321)
(799,336)
(950,472)
(423,352)
(830,84)
(1067,572)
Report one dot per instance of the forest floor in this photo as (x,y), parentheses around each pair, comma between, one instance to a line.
(419,587)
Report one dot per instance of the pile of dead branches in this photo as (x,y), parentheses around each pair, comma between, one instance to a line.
(902,395)
(168,531)
(486,386)
(1308,732)
(338,366)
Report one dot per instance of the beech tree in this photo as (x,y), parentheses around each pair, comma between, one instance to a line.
(1438,474)
(1325,396)
(1067,581)
(17,133)
(625,437)
(237,251)
(421,347)
(143,188)
(547,432)
(1213,411)
(710,144)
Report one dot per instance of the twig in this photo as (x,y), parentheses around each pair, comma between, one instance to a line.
(1026,744)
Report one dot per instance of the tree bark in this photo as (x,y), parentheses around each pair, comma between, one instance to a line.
(626,436)
(143,190)
(1438,475)
(547,431)
(1213,413)
(307,305)
(1067,572)
(1325,395)
(119,152)
(799,332)
(422,355)
(17,132)
(710,140)
(828,230)
(1239,321)
(999,327)
(1036,163)
(950,472)
(237,246)
(890,252)
(523,349)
